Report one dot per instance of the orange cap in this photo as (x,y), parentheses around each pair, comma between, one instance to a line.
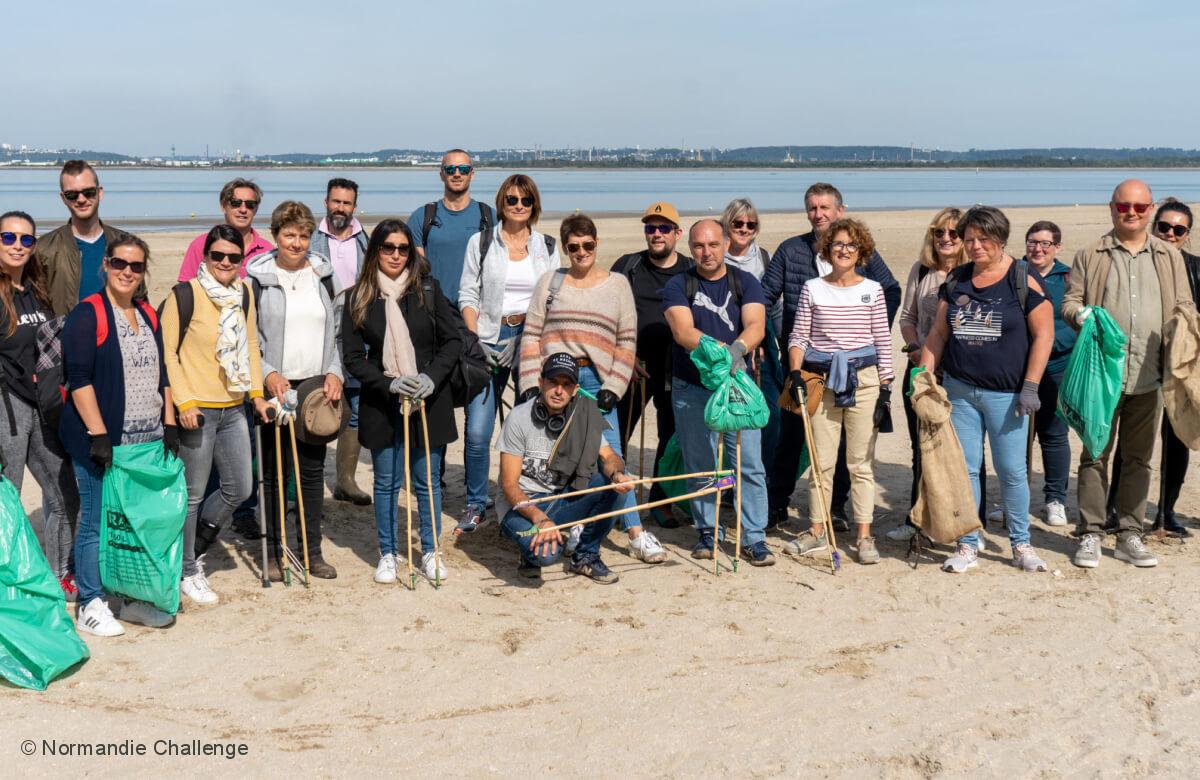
(664,210)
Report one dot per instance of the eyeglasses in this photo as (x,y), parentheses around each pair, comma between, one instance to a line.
(1042,244)
(949,233)
(1160,227)
(233,258)
(841,246)
(235,203)
(665,229)
(739,224)
(117,264)
(27,241)
(526,201)
(395,249)
(586,246)
(89,193)
(463,170)
(1138,208)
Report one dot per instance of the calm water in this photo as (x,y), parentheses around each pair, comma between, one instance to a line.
(165,199)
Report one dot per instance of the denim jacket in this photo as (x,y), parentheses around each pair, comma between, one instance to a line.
(841,370)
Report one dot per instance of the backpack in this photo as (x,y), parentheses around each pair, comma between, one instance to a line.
(1020,266)
(691,285)
(485,243)
(430,219)
(49,374)
(472,374)
(102,321)
(185,304)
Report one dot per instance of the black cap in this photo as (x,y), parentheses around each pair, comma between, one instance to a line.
(561,364)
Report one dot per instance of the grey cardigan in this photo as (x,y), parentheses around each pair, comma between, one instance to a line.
(488,298)
(272,313)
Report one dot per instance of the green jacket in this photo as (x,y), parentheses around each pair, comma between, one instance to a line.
(59,257)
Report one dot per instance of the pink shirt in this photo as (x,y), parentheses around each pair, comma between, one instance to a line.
(195,255)
(343,255)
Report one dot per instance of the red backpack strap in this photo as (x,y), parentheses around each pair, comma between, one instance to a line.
(151,315)
(101,318)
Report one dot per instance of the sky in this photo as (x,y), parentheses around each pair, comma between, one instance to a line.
(301,76)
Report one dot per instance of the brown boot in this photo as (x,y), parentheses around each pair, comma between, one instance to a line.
(317,567)
(345,488)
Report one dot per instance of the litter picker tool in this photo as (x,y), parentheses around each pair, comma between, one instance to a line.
(434,516)
(287,558)
(713,477)
(717,509)
(299,497)
(737,498)
(724,483)
(405,409)
(835,560)
(262,505)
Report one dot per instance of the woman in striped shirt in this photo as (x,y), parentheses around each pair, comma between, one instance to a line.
(841,331)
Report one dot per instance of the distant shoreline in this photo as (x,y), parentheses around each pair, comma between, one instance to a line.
(427,169)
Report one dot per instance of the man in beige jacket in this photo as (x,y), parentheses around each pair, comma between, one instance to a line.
(1138,279)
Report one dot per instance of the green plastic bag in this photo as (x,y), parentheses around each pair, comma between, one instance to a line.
(37,638)
(671,465)
(141,525)
(737,404)
(1092,380)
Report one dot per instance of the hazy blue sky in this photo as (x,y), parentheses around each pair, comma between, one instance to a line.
(136,77)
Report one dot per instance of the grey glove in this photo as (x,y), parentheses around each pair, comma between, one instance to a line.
(507,353)
(737,353)
(1029,402)
(403,385)
(423,388)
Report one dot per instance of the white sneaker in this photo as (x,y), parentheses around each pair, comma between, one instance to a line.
(1056,514)
(385,572)
(646,547)
(197,589)
(145,614)
(433,567)
(573,537)
(902,533)
(965,557)
(96,618)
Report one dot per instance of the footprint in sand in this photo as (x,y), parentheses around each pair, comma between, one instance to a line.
(275,689)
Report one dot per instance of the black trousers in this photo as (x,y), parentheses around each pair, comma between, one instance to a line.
(311,487)
(629,412)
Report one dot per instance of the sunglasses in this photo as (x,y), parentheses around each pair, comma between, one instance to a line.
(949,233)
(666,230)
(586,246)
(89,192)
(739,224)
(28,241)
(1138,208)
(237,204)
(233,258)
(462,170)
(526,201)
(395,249)
(1161,227)
(117,264)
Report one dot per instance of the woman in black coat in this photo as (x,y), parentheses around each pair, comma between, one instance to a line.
(400,339)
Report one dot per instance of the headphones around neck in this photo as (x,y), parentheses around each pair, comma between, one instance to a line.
(553,423)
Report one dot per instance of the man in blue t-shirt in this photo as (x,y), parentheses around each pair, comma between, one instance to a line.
(728,304)
(442,238)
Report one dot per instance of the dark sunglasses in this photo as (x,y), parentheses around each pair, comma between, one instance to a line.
(28,241)
(88,192)
(463,170)
(586,246)
(117,264)
(1138,208)
(1161,227)
(665,229)
(395,249)
(526,201)
(233,258)
(950,233)
(237,204)
(738,224)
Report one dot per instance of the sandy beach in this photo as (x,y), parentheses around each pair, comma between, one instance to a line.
(875,671)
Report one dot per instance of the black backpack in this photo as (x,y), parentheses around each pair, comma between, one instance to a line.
(485,243)
(429,220)
(185,305)
(691,285)
(1020,267)
(472,374)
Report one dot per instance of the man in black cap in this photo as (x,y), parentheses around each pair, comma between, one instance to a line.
(551,444)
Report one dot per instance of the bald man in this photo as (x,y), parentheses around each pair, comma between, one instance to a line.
(1138,279)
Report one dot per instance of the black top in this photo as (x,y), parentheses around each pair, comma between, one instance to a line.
(647,282)
(18,352)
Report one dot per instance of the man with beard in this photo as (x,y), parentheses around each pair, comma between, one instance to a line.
(239,200)
(648,273)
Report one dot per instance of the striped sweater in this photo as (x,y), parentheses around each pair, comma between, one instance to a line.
(599,323)
(832,319)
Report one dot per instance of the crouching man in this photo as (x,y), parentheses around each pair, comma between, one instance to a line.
(551,444)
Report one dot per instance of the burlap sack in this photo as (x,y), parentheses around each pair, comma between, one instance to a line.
(945,508)
(814,390)
(1181,379)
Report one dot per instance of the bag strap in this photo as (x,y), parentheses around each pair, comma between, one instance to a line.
(427,221)
(486,221)
(1022,267)
(556,283)
(922,272)
(101,318)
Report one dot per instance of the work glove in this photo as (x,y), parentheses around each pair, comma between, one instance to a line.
(284,413)
(507,354)
(607,401)
(737,354)
(530,394)
(403,385)
(171,440)
(797,388)
(100,451)
(1028,403)
(423,387)
(883,410)
(1082,315)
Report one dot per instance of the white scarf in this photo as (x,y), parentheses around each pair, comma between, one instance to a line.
(751,262)
(233,352)
(399,357)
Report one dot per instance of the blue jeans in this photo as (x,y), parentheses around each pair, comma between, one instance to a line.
(222,447)
(565,511)
(388,464)
(352,394)
(975,414)
(699,447)
(87,537)
(589,380)
(1052,434)
(481,422)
